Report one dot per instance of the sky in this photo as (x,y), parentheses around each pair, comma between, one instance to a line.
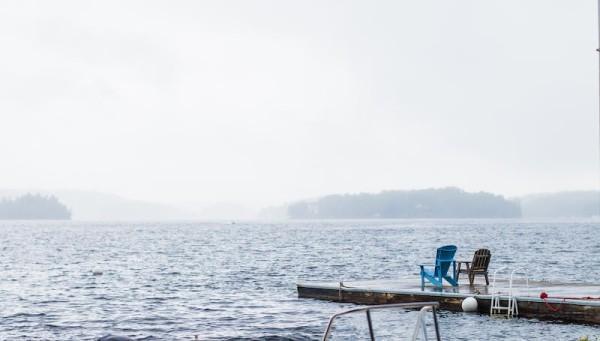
(266,102)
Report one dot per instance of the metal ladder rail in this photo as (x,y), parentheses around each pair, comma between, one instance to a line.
(524,273)
(512,308)
(495,307)
(421,325)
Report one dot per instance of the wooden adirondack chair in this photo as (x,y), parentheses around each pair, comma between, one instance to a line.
(443,259)
(478,266)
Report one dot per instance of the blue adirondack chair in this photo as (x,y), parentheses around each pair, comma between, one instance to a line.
(443,260)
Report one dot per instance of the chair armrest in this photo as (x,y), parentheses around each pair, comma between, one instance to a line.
(463,261)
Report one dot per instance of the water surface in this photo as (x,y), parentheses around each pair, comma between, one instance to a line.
(151,281)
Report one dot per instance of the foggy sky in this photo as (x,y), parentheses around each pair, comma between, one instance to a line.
(262,102)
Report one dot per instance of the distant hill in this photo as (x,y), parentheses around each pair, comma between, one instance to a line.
(274,213)
(574,204)
(100,206)
(33,206)
(448,202)
(91,205)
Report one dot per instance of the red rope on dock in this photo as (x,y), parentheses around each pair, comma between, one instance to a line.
(577,298)
(544,296)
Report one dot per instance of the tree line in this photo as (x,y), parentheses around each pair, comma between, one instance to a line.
(33,206)
(448,202)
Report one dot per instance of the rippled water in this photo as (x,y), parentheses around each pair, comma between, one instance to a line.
(223,281)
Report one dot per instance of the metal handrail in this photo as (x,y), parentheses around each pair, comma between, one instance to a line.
(521,271)
(524,273)
(421,324)
(512,308)
(425,306)
(495,274)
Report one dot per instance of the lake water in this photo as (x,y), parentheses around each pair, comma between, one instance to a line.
(165,281)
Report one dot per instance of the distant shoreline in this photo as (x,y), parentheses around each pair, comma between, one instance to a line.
(33,207)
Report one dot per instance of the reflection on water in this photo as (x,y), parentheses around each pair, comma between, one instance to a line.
(70,280)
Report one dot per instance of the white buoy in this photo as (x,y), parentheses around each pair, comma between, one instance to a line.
(469,304)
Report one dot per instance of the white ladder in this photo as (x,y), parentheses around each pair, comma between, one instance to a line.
(511,309)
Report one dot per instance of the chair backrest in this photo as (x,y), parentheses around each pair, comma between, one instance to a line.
(444,258)
(481,260)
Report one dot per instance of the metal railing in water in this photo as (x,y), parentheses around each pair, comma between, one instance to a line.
(420,326)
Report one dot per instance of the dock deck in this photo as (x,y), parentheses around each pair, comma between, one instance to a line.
(567,302)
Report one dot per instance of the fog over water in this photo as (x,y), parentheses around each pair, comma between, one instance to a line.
(256,103)
(147,121)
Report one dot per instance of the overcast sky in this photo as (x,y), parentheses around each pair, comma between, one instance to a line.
(262,102)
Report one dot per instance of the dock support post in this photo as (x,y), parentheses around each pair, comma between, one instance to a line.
(371,333)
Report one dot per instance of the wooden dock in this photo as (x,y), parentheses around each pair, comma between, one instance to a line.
(579,303)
